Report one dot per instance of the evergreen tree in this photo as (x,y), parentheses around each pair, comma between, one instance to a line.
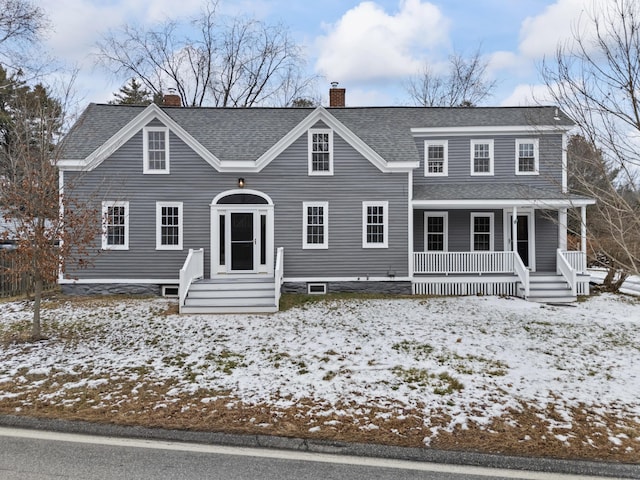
(133,93)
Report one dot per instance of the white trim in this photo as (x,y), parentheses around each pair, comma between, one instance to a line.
(105,210)
(152,281)
(240,191)
(488,203)
(472,231)
(346,279)
(484,141)
(445,160)
(507,228)
(385,224)
(445,225)
(145,151)
(565,146)
(159,206)
(536,156)
(310,152)
(491,130)
(410,227)
(325,225)
(562,229)
(62,220)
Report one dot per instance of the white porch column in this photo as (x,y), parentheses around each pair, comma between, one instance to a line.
(514,229)
(583,229)
(562,229)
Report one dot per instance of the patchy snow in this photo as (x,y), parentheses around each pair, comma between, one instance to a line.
(471,358)
(631,285)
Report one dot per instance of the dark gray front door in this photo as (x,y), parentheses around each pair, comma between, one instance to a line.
(522,242)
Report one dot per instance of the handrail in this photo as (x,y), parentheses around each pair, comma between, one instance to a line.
(278,275)
(564,268)
(522,272)
(577,260)
(192,269)
(462,262)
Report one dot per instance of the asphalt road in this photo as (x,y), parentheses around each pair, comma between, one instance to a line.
(42,455)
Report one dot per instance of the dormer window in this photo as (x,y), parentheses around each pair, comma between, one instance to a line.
(156,149)
(320,152)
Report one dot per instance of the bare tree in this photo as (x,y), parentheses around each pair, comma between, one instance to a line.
(30,201)
(465,84)
(595,78)
(238,62)
(21,22)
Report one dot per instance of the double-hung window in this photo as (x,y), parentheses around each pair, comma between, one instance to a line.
(482,232)
(320,151)
(436,231)
(527,156)
(375,224)
(315,225)
(481,157)
(436,158)
(115,225)
(168,225)
(156,149)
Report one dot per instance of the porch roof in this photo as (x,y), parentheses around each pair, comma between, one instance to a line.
(492,195)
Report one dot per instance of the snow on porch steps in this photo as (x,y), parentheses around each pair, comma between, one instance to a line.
(231,295)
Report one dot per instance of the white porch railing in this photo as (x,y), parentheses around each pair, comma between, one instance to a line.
(192,269)
(463,262)
(278,273)
(522,272)
(577,260)
(565,269)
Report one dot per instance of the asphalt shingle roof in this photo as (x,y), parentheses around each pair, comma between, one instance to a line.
(244,134)
(486,191)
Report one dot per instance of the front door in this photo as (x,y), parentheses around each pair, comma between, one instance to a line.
(524,238)
(242,242)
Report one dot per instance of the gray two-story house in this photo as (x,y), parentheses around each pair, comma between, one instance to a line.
(228,207)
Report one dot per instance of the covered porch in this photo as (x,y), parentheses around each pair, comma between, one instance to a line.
(515,246)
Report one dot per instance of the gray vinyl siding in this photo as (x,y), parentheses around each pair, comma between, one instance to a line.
(459,161)
(546,240)
(459,234)
(195,183)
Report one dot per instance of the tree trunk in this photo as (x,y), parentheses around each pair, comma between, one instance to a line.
(36,331)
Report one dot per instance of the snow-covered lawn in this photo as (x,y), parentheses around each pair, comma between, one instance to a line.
(456,363)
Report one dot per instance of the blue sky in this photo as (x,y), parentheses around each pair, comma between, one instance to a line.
(370,47)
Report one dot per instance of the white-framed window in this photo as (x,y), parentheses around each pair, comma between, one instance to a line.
(482,232)
(527,154)
(375,224)
(315,225)
(155,149)
(168,225)
(436,231)
(436,158)
(320,151)
(481,157)
(115,225)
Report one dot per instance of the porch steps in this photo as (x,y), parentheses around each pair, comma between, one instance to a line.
(231,295)
(548,288)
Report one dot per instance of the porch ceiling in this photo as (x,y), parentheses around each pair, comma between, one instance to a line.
(492,195)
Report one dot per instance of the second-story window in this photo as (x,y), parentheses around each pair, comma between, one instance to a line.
(320,152)
(435,158)
(156,150)
(481,157)
(527,156)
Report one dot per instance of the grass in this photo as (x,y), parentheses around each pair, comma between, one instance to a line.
(441,384)
(293,300)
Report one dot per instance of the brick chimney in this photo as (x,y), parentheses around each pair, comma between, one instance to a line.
(336,95)
(171,99)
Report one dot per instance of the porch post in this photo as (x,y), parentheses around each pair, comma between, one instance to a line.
(514,229)
(562,229)
(583,229)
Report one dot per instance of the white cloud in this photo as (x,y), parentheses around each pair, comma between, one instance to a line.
(368,43)
(541,35)
(528,94)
